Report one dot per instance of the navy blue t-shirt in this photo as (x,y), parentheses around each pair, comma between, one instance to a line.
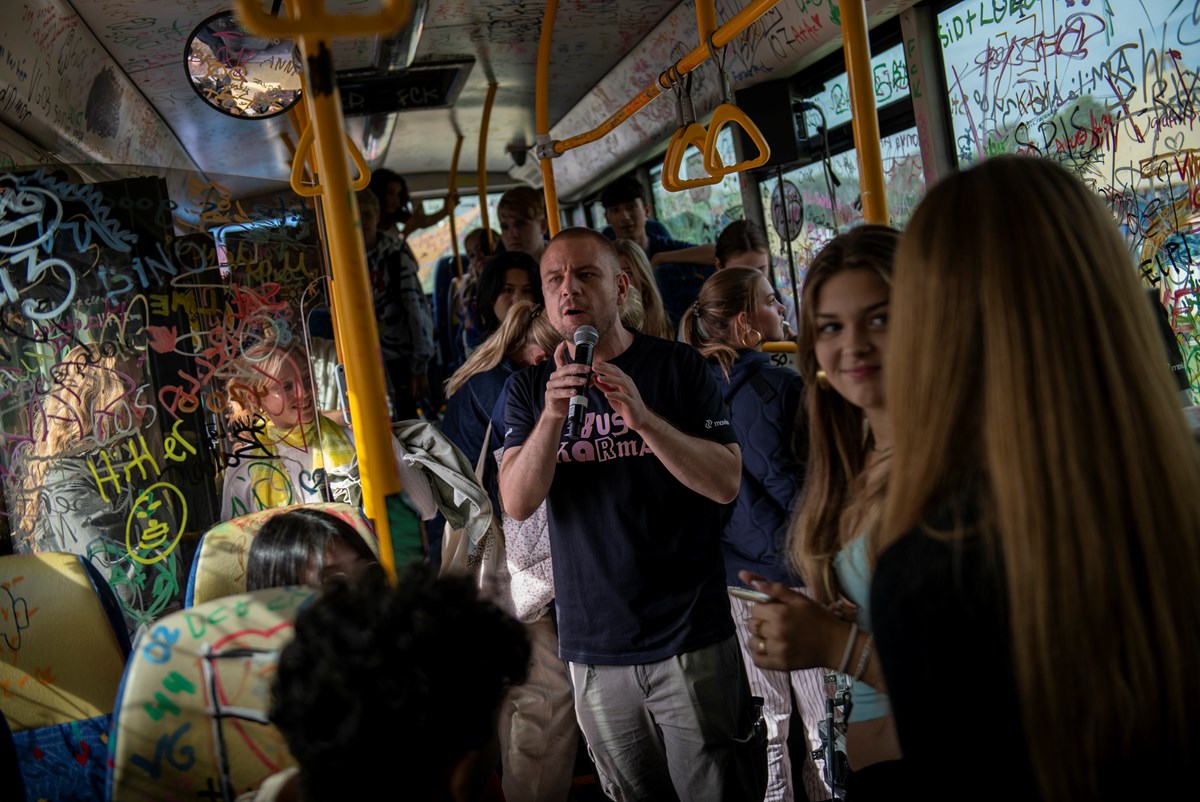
(638,575)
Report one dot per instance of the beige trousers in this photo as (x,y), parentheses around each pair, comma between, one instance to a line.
(538,732)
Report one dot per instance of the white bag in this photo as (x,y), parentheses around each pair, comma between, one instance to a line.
(484,561)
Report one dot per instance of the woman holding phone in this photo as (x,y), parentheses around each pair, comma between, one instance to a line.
(843,334)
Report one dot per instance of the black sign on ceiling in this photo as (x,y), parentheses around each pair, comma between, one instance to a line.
(421,86)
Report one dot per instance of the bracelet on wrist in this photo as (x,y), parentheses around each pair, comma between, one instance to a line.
(863,658)
(849,650)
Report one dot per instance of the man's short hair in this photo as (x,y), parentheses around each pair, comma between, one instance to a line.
(624,190)
(606,245)
(387,683)
(525,203)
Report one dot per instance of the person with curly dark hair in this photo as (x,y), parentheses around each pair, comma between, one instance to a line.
(384,685)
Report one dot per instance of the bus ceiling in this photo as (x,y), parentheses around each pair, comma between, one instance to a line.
(115,89)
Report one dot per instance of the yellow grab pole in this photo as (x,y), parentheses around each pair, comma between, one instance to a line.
(481,166)
(542,112)
(857,50)
(454,193)
(706,19)
(351,290)
(721,37)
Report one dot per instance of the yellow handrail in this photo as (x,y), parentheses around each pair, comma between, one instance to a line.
(729,114)
(691,134)
(722,36)
(307,18)
(399,533)
(300,158)
(542,114)
(706,18)
(857,51)
(481,166)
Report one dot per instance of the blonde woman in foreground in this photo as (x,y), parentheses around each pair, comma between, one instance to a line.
(1034,595)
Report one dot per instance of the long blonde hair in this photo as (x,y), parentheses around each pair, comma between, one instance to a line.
(836,498)
(641,277)
(524,321)
(1022,352)
(91,378)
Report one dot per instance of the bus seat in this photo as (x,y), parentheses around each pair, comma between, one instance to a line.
(191,713)
(219,567)
(63,648)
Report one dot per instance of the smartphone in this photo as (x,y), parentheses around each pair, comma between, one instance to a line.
(749,595)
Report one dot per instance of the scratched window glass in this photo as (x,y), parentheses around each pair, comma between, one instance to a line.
(125,305)
(889,76)
(697,215)
(1109,90)
(813,201)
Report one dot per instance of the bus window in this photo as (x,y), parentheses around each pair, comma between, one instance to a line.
(432,244)
(889,74)
(1107,91)
(804,206)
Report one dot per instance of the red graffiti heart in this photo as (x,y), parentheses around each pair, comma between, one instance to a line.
(84,752)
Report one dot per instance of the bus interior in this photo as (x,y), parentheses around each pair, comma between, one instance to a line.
(173,184)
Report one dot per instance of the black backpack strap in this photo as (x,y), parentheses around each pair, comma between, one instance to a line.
(766,392)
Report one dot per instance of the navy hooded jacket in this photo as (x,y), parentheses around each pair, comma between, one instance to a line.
(764,401)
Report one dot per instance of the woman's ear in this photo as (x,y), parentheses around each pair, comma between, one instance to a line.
(622,287)
(741,323)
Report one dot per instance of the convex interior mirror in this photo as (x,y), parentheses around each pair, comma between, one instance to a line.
(239,73)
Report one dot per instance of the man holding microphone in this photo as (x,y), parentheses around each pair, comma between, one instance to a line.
(635,508)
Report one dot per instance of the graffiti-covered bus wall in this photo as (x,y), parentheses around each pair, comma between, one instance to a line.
(1108,88)
(123,310)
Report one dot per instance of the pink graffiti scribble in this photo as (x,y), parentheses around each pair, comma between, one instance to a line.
(161,338)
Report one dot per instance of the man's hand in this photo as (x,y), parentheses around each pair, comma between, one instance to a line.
(564,383)
(622,394)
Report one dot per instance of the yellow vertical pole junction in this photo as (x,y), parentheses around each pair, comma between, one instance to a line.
(857,49)
(399,534)
(542,115)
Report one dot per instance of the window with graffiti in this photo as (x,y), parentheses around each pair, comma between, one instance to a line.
(809,205)
(1110,91)
(128,308)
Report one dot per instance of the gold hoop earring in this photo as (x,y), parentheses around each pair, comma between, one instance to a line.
(822,380)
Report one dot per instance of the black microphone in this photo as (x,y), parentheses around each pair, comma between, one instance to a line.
(586,338)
